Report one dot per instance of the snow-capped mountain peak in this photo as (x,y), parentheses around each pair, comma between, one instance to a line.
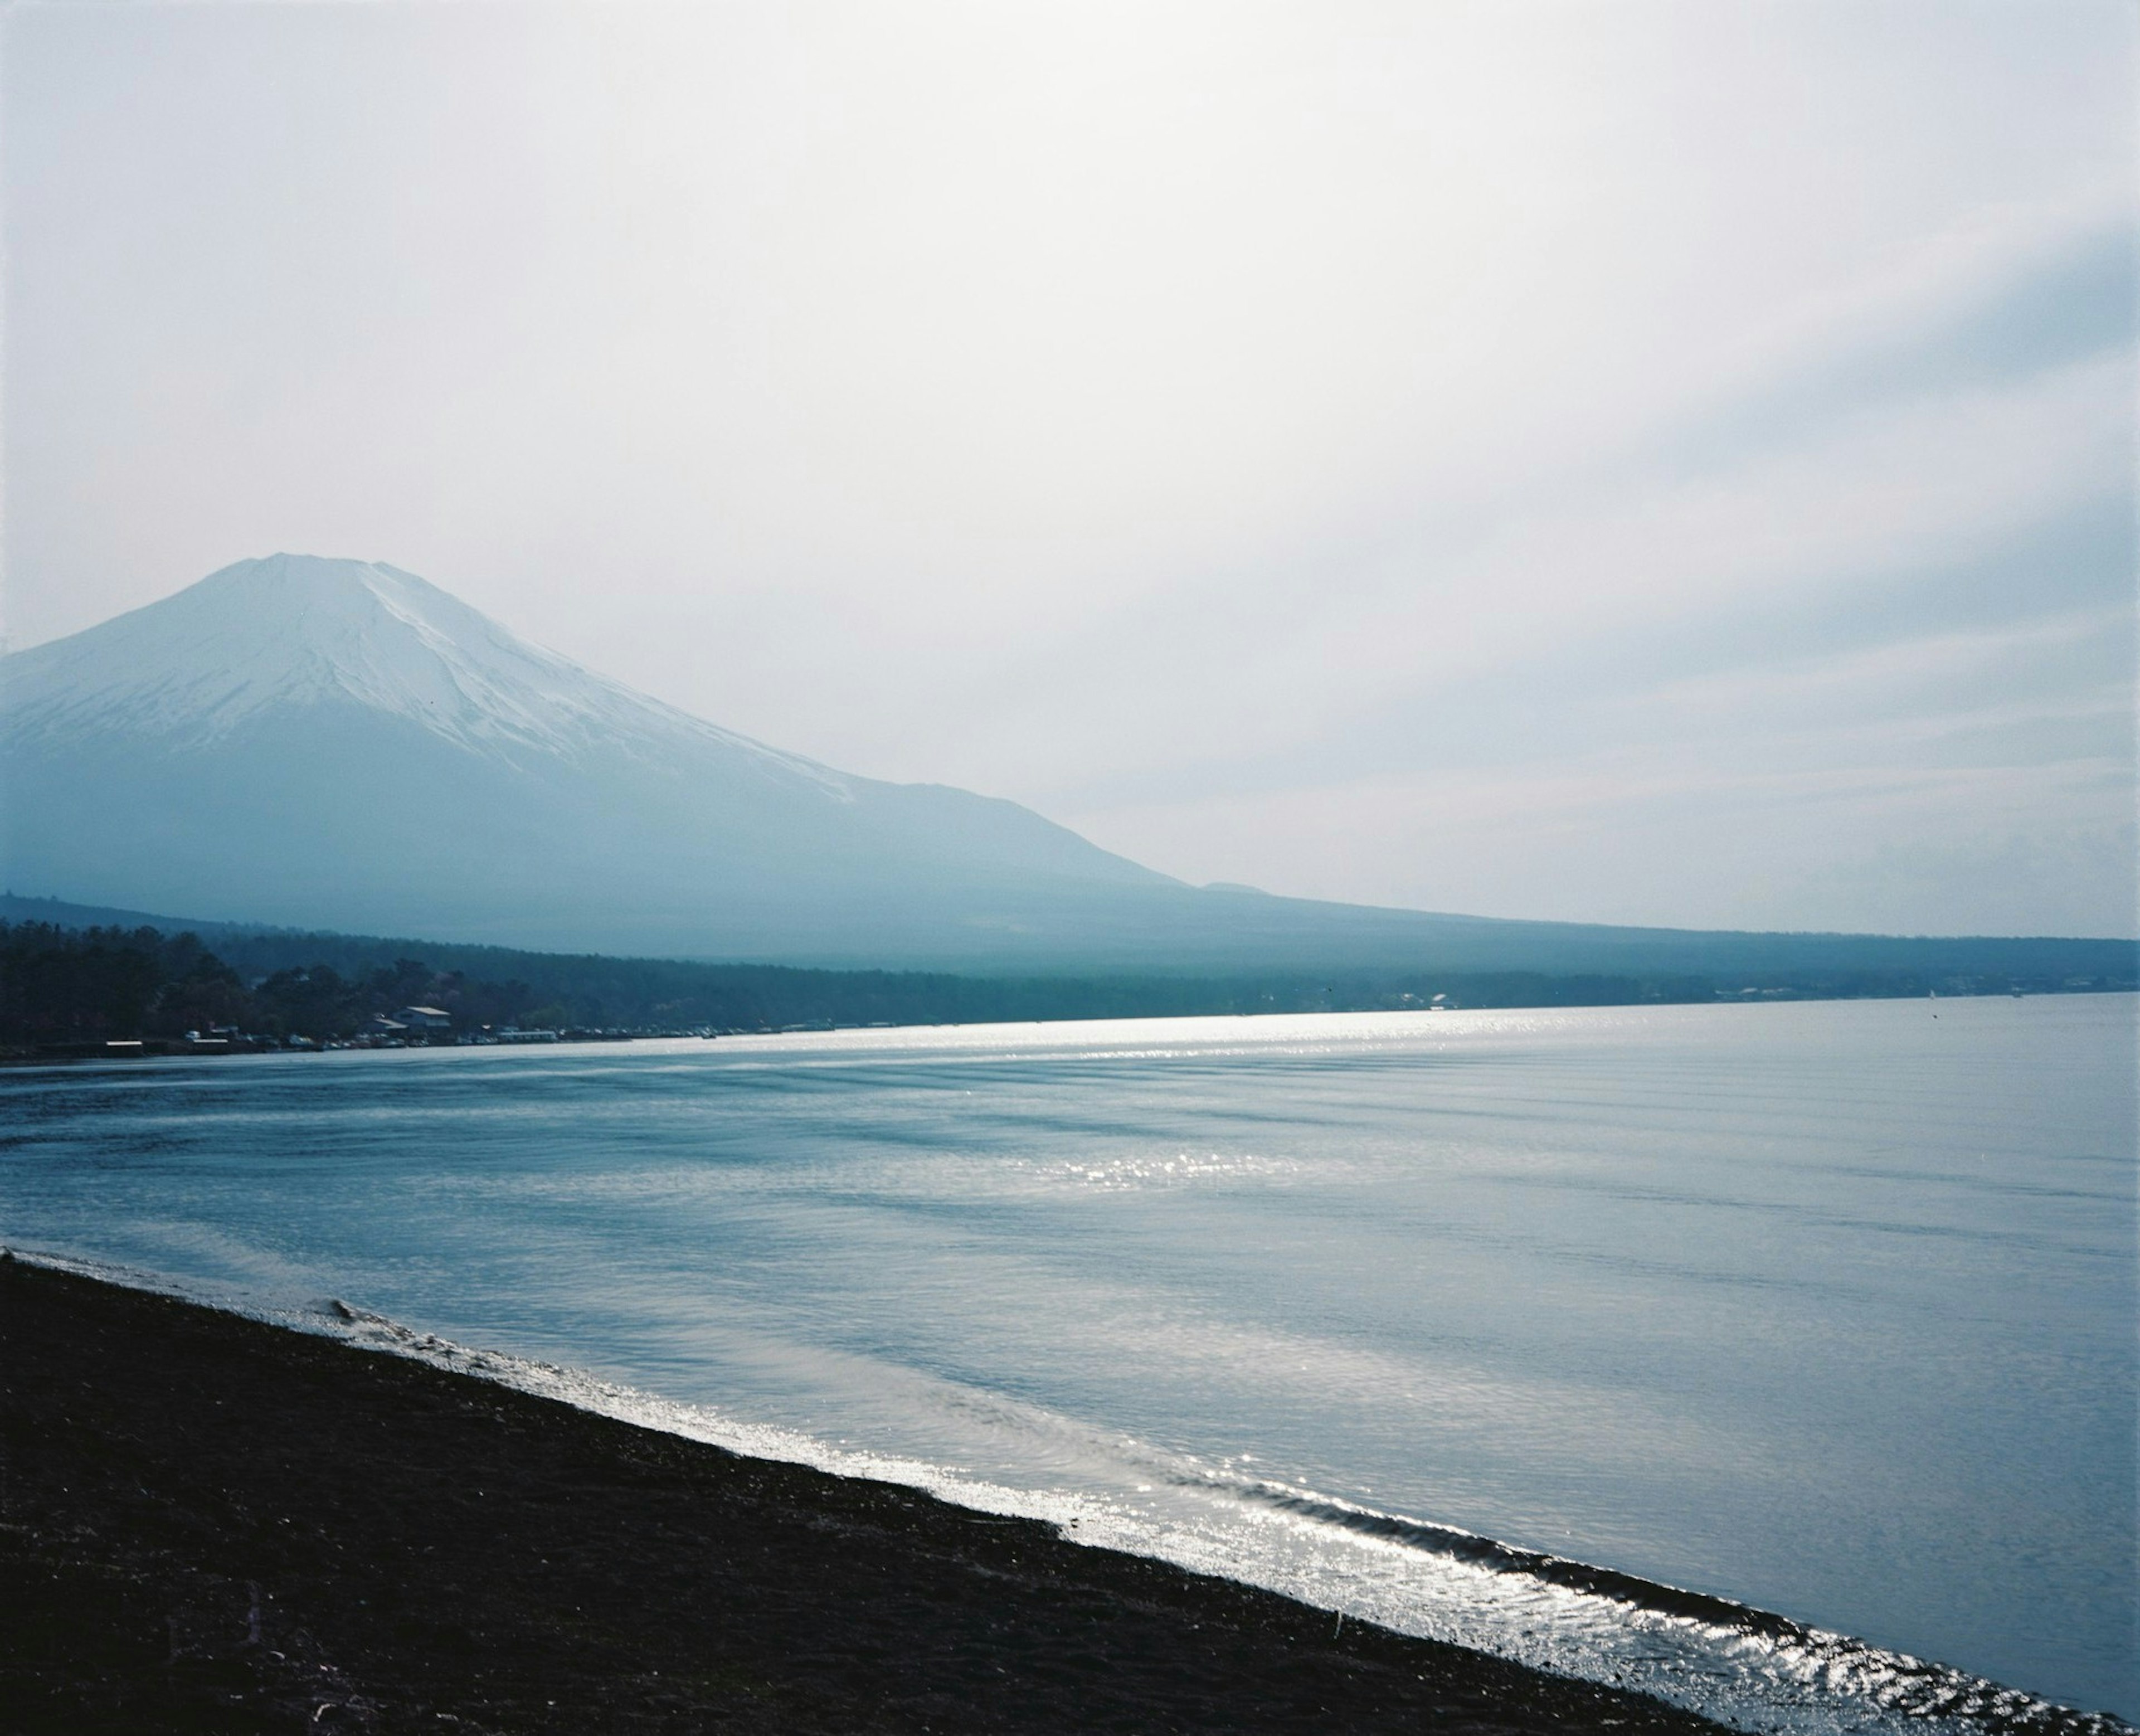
(340,744)
(261,637)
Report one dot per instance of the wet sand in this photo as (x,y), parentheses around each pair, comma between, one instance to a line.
(207,1524)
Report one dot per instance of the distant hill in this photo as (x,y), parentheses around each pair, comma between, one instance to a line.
(61,914)
(337,745)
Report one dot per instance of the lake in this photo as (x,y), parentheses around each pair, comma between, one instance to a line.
(1823,1309)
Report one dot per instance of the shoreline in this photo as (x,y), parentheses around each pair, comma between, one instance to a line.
(132,1052)
(211,1524)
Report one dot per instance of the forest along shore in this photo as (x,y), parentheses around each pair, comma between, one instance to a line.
(211,1524)
(70,992)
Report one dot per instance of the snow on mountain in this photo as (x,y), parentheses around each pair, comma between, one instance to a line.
(337,744)
(340,744)
(293,631)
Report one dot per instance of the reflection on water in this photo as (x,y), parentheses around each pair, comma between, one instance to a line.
(1826,1309)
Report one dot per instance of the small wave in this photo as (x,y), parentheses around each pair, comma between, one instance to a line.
(1927,1693)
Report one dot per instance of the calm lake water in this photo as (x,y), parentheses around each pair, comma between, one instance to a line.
(1825,1309)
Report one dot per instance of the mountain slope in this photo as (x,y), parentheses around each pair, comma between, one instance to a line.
(337,744)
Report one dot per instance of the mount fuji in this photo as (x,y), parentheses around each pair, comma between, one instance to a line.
(332,744)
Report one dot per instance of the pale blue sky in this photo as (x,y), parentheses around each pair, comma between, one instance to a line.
(1663,463)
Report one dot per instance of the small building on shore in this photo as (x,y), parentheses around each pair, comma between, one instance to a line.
(425,1019)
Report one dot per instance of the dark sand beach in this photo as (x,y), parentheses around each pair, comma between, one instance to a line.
(211,1524)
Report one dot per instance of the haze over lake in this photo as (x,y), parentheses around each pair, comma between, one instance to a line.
(1825,1308)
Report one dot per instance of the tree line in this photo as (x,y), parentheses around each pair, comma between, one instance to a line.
(69,986)
(64,987)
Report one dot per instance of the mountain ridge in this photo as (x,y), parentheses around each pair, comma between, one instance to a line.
(327,742)
(339,745)
(207,658)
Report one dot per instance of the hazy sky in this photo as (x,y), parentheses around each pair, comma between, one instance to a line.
(1636,462)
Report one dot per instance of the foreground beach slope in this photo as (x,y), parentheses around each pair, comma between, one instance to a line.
(210,1524)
